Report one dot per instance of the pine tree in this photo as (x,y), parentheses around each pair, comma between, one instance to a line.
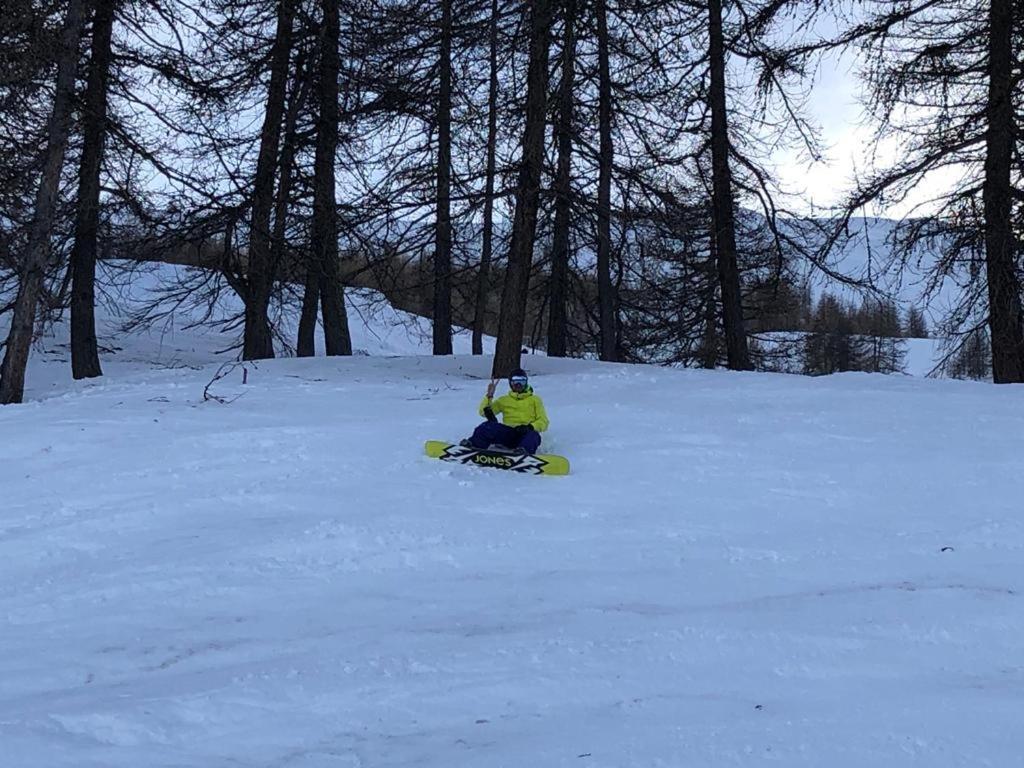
(973,358)
(917,326)
(829,347)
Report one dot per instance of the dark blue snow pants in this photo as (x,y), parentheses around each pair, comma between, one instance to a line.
(495,432)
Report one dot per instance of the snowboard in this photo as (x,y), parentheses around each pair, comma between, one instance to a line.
(529,464)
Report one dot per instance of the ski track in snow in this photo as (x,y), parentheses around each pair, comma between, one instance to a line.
(742,569)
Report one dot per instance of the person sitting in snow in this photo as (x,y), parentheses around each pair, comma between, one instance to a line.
(523,413)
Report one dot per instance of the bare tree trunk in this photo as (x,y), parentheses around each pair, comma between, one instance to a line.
(483,284)
(1003,285)
(286,172)
(257,340)
(707,356)
(559,289)
(306,342)
(723,214)
(524,223)
(307,320)
(296,104)
(85,358)
(443,232)
(33,267)
(605,290)
(325,208)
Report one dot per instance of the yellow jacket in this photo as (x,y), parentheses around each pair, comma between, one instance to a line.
(519,409)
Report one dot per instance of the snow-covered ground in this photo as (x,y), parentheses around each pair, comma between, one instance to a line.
(742,569)
(177,341)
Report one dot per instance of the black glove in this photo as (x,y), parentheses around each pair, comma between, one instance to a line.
(523,430)
(489,413)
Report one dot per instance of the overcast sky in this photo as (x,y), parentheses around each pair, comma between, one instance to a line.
(848,141)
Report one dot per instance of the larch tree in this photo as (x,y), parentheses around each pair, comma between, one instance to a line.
(524,224)
(942,79)
(32,266)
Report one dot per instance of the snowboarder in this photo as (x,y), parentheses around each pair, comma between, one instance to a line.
(523,413)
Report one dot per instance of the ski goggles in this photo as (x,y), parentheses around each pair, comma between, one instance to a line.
(517,382)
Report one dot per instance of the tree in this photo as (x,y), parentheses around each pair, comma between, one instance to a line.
(670,304)
(743,76)
(33,266)
(1006,321)
(605,290)
(524,224)
(881,348)
(723,214)
(829,347)
(940,80)
(229,188)
(559,281)
(878,317)
(297,101)
(917,326)
(85,359)
(258,342)
(443,223)
(973,358)
(490,173)
(779,305)
(337,339)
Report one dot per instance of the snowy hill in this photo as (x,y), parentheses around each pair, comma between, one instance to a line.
(178,341)
(867,255)
(742,569)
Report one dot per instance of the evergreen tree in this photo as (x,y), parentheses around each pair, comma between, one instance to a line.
(973,358)
(917,326)
(829,347)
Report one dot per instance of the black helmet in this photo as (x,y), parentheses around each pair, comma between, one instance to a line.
(518,381)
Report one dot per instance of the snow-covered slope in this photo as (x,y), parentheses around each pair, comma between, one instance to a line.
(742,569)
(178,340)
(867,256)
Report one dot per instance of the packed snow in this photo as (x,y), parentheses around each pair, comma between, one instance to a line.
(742,569)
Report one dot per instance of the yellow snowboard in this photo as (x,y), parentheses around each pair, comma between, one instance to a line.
(530,464)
